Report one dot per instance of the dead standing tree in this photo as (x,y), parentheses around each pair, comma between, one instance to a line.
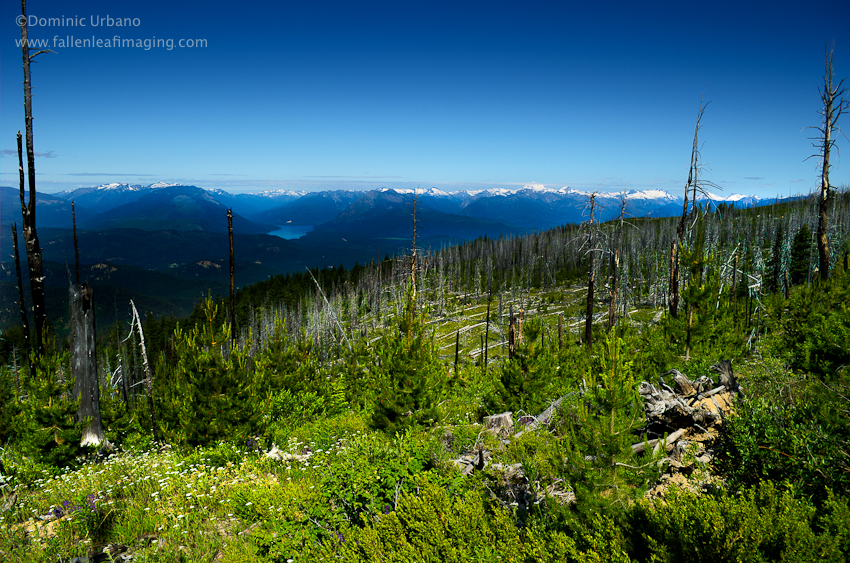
(413,249)
(591,242)
(615,265)
(693,185)
(148,377)
(84,362)
(834,104)
(28,209)
(24,320)
(232,278)
(76,243)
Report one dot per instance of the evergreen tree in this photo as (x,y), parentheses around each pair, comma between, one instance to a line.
(44,426)
(602,468)
(800,251)
(774,276)
(207,396)
(409,374)
(526,381)
(697,292)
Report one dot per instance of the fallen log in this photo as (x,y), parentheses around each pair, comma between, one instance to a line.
(655,443)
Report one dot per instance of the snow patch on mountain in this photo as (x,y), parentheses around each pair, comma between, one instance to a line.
(729,198)
(117,186)
(281,193)
(433,192)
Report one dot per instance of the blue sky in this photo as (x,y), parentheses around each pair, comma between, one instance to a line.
(469,95)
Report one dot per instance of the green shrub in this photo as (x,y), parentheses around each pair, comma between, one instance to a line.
(763,524)
(785,442)
(374,471)
(435,526)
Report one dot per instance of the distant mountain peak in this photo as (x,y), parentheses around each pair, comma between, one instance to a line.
(281,192)
(164,185)
(731,198)
(116,186)
(434,192)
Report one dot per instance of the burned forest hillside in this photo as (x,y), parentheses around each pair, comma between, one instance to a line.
(472,395)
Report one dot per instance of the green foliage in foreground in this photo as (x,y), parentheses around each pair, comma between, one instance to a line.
(433,526)
(40,420)
(375,433)
(763,524)
(790,443)
(794,427)
(363,497)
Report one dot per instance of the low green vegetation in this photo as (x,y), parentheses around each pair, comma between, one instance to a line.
(342,438)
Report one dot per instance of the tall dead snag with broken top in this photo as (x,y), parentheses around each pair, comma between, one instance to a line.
(232,284)
(693,185)
(615,267)
(588,320)
(138,322)
(28,210)
(834,105)
(413,247)
(24,319)
(76,243)
(84,362)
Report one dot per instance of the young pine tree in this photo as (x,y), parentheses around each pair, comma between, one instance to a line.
(600,464)
(799,269)
(409,374)
(44,426)
(528,380)
(208,395)
(698,291)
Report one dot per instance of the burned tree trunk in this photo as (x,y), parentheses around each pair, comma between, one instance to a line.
(560,331)
(457,348)
(84,362)
(413,249)
(615,268)
(76,243)
(693,183)
(734,293)
(28,210)
(24,319)
(232,280)
(588,321)
(512,335)
(673,297)
(487,335)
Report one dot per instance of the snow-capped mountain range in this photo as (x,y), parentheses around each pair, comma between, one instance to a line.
(648,195)
(532,206)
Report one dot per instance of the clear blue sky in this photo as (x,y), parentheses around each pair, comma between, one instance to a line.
(358,95)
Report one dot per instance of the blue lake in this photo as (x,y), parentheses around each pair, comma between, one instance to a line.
(292,231)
